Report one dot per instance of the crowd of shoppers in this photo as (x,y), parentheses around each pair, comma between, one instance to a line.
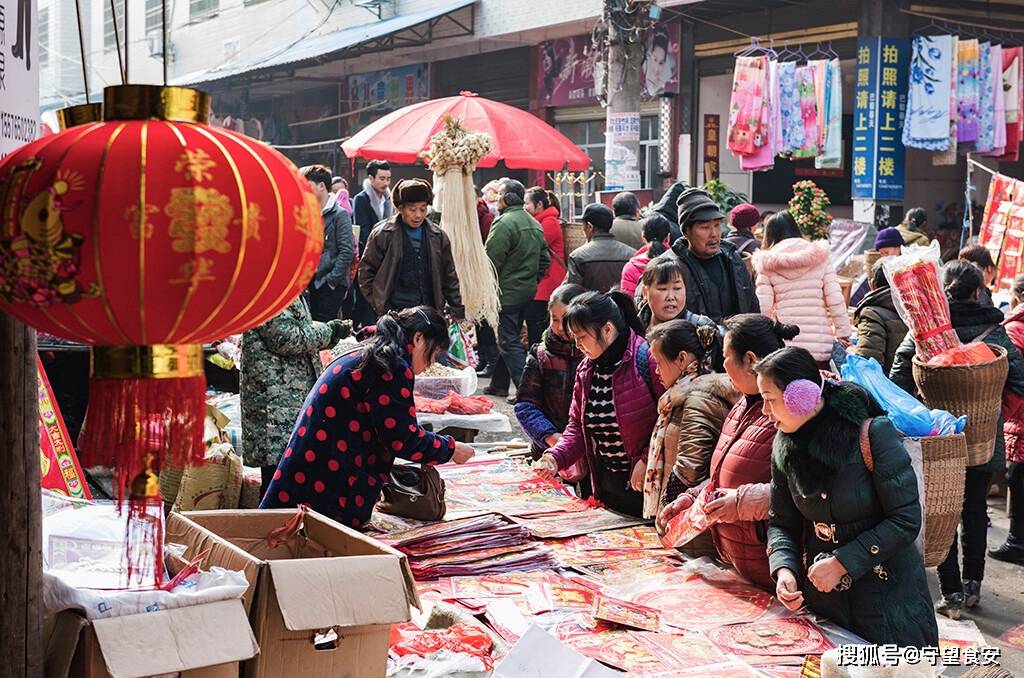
(658,357)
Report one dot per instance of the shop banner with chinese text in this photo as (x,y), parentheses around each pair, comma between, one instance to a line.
(879,106)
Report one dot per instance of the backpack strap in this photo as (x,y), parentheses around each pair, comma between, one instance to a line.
(865,444)
(643,366)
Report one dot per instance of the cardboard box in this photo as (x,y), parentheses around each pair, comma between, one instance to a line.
(201,641)
(320,604)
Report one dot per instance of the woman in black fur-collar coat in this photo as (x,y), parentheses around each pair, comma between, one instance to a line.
(840,536)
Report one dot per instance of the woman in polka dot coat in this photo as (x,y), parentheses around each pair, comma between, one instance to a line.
(359,416)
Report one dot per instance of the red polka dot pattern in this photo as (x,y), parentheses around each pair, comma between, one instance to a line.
(354,434)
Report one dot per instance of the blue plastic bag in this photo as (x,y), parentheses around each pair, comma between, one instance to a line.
(907,414)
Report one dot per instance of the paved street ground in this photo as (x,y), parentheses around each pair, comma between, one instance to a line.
(1002,600)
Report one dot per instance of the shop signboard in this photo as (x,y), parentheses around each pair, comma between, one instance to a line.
(568,67)
(19,74)
(712,130)
(880,103)
(372,95)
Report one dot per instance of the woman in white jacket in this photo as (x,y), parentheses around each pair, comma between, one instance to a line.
(797,285)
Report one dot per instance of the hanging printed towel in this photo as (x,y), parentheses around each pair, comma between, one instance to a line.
(832,152)
(819,68)
(749,83)
(1013,92)
(967,89)
(986,104)
(808,112)
(928,102)
(789,109)
(999,110)
(762,158)
(948,157)
(775,95)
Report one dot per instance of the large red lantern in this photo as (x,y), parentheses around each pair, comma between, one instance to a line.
(146,235)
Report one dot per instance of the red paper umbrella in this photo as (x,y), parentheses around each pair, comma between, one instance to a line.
(520,139)
(147,234)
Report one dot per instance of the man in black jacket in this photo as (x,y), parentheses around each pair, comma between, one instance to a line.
(330,283)
(370,207)
(718,284)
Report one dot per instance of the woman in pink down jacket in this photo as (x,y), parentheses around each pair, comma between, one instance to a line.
(614,401)
(797,285)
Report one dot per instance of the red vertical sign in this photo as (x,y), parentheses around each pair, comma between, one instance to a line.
(712,127)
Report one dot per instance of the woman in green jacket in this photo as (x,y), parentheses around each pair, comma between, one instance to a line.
(840,534)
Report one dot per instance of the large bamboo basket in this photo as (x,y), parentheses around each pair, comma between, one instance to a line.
(944,459)
(574,237)
(972,390)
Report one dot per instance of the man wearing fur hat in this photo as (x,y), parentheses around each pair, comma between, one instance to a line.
(408,259)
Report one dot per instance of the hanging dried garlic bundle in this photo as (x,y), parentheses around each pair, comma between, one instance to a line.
(453,155)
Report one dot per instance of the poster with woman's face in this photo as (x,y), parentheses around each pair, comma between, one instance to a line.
(661,61)
(567,67)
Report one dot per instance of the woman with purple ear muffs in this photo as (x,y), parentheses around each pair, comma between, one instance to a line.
(845,511)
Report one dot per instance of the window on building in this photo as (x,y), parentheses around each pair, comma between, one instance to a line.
(154,16)
(110,38)
(199,9)
(589,136)
(44,37)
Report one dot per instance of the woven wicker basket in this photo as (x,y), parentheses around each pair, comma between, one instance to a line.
(944,459)
(574,237)
(988,672)
(974,390)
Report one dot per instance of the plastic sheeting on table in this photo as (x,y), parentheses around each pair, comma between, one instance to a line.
(492,422)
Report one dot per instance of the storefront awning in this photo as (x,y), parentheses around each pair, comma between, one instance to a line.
(409,30)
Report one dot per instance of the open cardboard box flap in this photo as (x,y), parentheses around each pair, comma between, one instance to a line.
(353,591)
(240,537)
(168,641)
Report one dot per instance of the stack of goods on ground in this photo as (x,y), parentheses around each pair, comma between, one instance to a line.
(100,609)
(614,593)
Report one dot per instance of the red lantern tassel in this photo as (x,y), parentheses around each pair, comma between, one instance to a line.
(144,533)
(121,411)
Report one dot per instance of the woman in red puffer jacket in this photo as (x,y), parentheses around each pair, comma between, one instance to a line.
(1012,550)
(543,206)
(741,465)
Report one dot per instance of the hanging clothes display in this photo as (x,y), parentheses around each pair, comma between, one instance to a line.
(808,112)
(967,92)
(962,96)
(749,83)
(832,151)
(928,99)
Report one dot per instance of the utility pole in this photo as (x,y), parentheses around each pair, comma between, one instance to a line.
(622,27)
